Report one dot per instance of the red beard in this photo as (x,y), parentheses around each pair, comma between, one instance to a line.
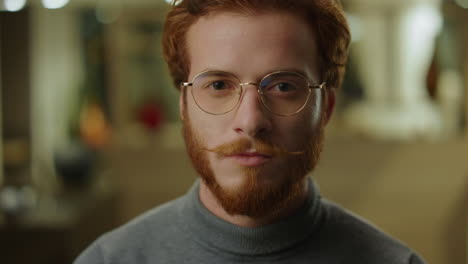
(254,198)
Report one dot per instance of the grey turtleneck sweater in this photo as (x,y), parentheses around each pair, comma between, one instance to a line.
(184,231)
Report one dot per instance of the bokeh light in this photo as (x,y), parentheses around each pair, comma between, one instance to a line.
(54,4)
(14,5)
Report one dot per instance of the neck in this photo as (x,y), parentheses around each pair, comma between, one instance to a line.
(211,203)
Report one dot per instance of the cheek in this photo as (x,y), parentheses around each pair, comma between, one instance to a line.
(209,128)
(302,126)
(311,116)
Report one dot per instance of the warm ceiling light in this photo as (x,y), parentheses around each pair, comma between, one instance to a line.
(54,4)
(14,5)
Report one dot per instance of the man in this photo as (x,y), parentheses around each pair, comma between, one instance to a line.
(257,81)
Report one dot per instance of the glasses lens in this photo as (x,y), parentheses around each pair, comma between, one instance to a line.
(216,92)
(285,93)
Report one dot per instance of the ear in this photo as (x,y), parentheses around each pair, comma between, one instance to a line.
(329,106)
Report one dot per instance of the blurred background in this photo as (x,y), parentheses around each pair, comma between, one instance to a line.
(90,134)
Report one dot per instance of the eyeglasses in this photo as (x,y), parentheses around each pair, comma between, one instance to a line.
(283,93)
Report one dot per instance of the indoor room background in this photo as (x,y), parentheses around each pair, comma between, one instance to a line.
(91,135)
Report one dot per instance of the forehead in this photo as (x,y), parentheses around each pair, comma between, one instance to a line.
(251,44)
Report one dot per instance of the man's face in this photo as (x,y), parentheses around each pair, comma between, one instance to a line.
(233,152)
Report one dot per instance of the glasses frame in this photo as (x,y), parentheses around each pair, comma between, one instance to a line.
(322,86)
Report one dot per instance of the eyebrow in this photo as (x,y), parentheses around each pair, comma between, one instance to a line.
(295,70)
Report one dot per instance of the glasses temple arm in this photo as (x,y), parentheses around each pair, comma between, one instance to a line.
(321,86)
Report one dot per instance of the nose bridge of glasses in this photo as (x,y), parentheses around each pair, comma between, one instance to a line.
(253,84)
(248,83)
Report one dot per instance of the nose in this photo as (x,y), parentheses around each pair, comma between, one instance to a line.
(251,118)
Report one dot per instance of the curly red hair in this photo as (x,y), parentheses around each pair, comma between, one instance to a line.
(325,17)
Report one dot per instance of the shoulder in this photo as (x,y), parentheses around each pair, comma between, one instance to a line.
(149,232)
(359,240)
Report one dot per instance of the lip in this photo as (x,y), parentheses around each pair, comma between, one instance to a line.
(250,159)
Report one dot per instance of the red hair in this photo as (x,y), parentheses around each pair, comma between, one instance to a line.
(325,17)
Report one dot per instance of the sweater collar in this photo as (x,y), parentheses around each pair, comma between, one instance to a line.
(214,232)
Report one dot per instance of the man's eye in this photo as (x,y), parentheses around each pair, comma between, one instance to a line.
(219,85)
(284,87)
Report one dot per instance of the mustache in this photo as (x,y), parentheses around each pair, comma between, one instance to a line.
(261,146)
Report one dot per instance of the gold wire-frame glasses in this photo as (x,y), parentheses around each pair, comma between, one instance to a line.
(222,102)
